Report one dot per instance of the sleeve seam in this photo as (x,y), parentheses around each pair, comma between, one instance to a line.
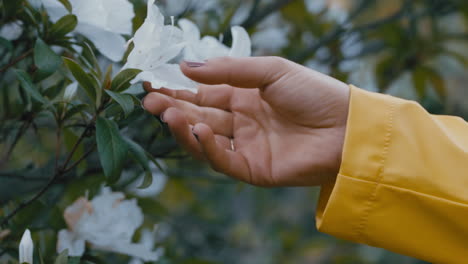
(369,204)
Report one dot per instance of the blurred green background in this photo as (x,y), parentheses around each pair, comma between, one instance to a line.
(415,49)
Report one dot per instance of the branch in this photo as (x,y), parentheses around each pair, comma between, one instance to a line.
(16,60)
(20,133)
(59,172)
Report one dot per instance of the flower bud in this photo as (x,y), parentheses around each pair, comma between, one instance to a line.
(26,248)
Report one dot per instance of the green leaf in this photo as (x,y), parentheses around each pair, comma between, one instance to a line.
(90,58)
(66,4)
(63,26)
(28,86)
(121,82)
(124,100)
(62,258)
(139,155)
(74,260)
(45,58)
(437,82)
(419,78)
(75,110)
(112,148)
(87,82)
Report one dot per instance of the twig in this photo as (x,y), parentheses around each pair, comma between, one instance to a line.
(80,159)
(20,133)
(16,60)
(58,173)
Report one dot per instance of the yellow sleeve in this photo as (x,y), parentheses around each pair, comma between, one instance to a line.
(403,181)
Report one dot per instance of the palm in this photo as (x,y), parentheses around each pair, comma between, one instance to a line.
(287,133)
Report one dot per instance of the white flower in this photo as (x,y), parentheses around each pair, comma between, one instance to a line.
(26,248)
(148,239)
(156,45)
(209,47)
(70,92)
(108,223)
(101,21)
(159,181)
(12,30)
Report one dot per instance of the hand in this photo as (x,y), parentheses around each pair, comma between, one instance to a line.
(287,122)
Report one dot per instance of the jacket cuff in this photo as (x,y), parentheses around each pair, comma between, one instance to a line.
(345,204)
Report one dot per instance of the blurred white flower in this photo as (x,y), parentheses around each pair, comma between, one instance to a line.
(26,248)
(101,21)
(108,223)
(158,184)
(148,239)
(70,92)
(209,47)
(12,30)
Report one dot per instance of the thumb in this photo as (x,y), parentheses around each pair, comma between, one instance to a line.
(250,72)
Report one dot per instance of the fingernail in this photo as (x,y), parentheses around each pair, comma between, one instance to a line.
(193,64)
(195,135)
(161,116)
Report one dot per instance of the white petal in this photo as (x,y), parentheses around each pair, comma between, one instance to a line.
(70,92)
(69,240)
(90,12)
(136,250)
(111,45)
(167,76)
(156,187)
(190,30)
(210,47)
(120,15)
(26,248)
(241,45)
(12,31)
(54,9)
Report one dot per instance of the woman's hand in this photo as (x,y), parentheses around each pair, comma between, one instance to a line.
(287,122)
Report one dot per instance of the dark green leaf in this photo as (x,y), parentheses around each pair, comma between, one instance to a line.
(112,148)
(419,78)
(437,82)
(140,156)
(90,58)
(75,110)
(63,26)
(66,4)
(28,86)
(46,60)
(88,83)
(121,82)
(124,100)
(62,258)
(74,260)
(6,44)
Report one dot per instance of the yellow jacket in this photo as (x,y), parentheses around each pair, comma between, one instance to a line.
(403,181)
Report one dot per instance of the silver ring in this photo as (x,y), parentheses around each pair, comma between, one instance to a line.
(232,145)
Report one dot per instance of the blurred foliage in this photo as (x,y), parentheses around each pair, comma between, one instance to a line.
(53,150)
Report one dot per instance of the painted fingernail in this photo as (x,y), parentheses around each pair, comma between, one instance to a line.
(161,116)
(195,135)
(193,64)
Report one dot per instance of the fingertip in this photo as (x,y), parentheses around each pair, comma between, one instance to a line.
(155,103)
(203,132)
(148,87)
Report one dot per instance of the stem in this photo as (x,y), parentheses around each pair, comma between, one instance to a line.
(59,172)
(58,147)
(24,127)
(16,60)
(80,159)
